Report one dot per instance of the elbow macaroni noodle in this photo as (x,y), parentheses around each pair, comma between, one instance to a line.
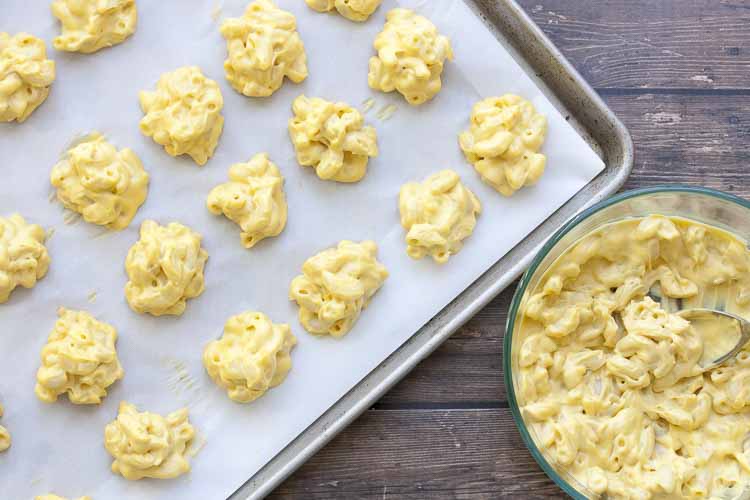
(438,214)
(253,198)
(25,75)
(503,141)
(23,257)
(411,55)
(183,114)
(624,405)
(104,185)
(79,359)
(263,47)
(51,496)
(251,357)
(165,269)
(335,285)
(146,444)
(354,10)
(331,138)
(91,25)
(4,435)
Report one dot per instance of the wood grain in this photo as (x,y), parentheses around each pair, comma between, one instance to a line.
(678,74)
(472,453)
(696,44)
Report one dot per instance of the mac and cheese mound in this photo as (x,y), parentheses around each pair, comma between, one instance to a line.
(90,25)
(25,75)
(354,10)
(165,268)
(104,185)
(438,215)
(411,55)
(51,496)
(4,435)
(253,198)
(23,256)
(611,384)
(503,142)
(79,359)
(146,444)
(183,114)
(335,285)
(251,357)
(263,47)
(331,138)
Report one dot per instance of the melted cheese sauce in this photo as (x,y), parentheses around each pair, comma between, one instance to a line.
(611,384)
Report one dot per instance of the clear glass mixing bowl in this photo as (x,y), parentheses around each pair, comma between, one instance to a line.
(705,205)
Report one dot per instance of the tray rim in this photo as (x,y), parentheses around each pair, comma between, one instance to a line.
(593,119)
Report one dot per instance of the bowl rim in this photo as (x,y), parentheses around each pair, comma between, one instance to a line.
(546,466)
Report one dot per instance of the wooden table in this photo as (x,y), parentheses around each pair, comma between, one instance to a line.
(677,72)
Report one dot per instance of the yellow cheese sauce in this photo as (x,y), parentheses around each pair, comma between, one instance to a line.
(263,47)
(24,259)
(503,141)
(354,10)
(411,56)
(4,434)
(51,496)
(438,215)
(104,185)
(91,25)
(336,285)
(79,359)
(253,198)
(145,444)
(611,383)
(332,138)
(252,356)
(25,75)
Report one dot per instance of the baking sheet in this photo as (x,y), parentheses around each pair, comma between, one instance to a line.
(59,447)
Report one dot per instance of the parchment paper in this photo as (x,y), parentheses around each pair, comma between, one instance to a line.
(59,447)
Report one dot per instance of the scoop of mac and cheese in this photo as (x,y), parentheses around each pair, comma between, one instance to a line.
(335,285)
(104,185)
(25,75)
(183,114)
(23,257)
(79,360)
(4,435)
(438,215)
(90,25)
(331,138)
(354,10)
(503,141)
(263,47)
(165,269)
(411,55)
(611,383)
(253,198)
(51,496)
(251,357)
(146,444)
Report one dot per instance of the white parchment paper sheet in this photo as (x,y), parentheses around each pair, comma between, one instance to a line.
(59,447)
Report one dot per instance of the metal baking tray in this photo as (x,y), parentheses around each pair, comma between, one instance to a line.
(601,129)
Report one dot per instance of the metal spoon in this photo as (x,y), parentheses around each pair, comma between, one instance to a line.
(700,313)
(744,330)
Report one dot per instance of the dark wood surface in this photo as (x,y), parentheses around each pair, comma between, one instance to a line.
(677,72)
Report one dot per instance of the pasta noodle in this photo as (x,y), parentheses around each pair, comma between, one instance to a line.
(612,385)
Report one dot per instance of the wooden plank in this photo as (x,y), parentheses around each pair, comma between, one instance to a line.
(679,139)
(700,44)
(409,454)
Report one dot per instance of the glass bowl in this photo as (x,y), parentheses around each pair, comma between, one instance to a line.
(704,205)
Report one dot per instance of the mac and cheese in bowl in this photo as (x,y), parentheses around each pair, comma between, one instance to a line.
(610,384)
